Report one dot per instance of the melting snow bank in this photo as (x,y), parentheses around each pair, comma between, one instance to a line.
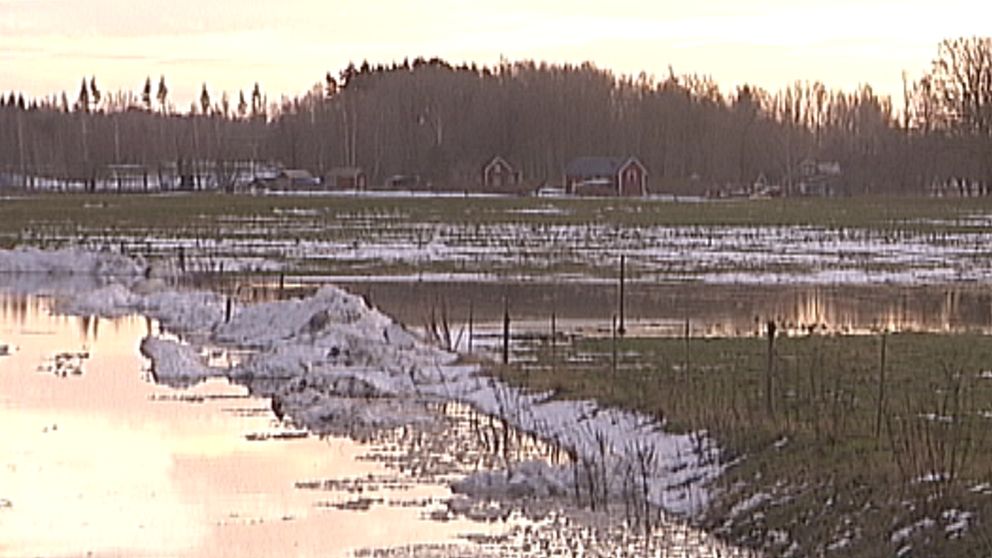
(70,261)
(335,365)
(174,363)
(33,271)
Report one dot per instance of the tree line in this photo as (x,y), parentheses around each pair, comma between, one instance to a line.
(442,122)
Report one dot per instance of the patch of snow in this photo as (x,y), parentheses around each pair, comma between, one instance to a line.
(778,537)
(932,477)
(981,488)
(934,417)
(70,261)
(547,210)
(747,505)
(530,479)
(174,363)
(110,301)
(957,522)
(901,535)
(842,542)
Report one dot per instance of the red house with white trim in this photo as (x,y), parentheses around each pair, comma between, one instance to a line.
(606,176)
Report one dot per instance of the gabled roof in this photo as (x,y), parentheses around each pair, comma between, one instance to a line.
(497,160)
(597,166)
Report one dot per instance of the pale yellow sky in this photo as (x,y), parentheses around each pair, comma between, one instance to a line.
(47,46)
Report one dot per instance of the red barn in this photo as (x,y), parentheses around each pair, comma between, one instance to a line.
(606,176)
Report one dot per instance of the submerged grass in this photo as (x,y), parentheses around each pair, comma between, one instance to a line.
(818,474)
(513,237)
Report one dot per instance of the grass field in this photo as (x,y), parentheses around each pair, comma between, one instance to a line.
(817,466)
(192,210)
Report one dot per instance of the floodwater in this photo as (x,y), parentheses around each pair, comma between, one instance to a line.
(661,309)
(97,460)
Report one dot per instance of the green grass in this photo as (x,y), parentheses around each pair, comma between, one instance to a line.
(98,211)
(816,454)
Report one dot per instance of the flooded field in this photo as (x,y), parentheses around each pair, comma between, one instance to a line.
(650,310)
(712,310)
(465,240)
(857,427)
(98,460)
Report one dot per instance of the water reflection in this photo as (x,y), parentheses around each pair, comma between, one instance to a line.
(663,309)
(109,464)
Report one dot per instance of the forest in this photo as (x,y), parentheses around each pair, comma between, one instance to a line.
(442,122)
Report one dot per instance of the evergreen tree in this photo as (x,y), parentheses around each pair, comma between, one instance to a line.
(94,93)
(242,104)
(83,102)
(163,94)
(348,74)
(146,94)
(256,101)
(205,100)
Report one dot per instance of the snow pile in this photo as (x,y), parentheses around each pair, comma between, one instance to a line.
(530,479)
(174,363)
(679,466)
(110,301)
(66,271)
(182,311)
(335,365)
(70,261)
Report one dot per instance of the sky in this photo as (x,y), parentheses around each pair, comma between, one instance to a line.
(48,46)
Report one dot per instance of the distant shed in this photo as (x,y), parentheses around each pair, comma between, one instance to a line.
(346,178)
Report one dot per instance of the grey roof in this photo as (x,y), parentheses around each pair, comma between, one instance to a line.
(595,166)
(297,174)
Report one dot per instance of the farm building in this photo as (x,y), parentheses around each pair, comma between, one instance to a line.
(498,173)
(288,180)
(819,178)
(346,178)
(606,176)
